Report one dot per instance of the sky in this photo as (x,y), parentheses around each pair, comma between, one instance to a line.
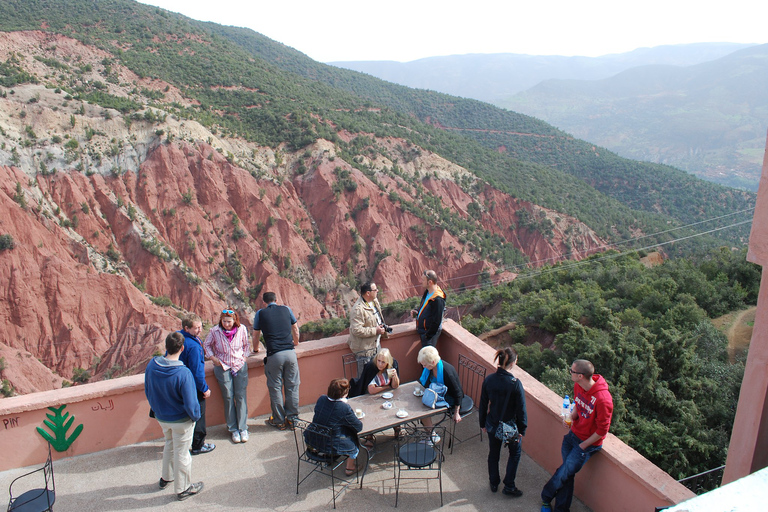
(407,30)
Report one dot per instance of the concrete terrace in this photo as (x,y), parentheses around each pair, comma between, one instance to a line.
(115,462)
(261,475)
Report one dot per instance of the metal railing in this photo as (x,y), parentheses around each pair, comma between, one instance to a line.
(704,482)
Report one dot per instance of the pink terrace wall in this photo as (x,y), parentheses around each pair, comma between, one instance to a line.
(116,413)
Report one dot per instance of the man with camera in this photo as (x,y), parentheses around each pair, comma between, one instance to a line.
(366,325)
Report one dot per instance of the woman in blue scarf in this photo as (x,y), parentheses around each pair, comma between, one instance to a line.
(437,370)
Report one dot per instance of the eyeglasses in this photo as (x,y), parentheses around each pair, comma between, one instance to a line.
(374,289)
(572,372)
(227,312)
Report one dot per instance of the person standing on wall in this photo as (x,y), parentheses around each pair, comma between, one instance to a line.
(366,326)
(429,313)
(503,399)
(590,421)
(193,358)
(172,396)
(281,334)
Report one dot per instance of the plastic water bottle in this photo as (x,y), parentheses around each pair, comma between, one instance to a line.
(567,410)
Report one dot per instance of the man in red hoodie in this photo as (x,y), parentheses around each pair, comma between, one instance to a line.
(591,419)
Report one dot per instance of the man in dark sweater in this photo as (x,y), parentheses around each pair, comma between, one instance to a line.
(170,390)
(193,358)
(281,333)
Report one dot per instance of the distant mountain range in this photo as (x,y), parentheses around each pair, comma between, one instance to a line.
(698,107)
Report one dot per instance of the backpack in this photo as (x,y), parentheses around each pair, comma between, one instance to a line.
(434,396)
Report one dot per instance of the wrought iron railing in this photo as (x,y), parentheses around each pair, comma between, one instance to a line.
(704,482)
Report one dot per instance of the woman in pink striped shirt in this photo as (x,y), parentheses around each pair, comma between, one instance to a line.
(227,345)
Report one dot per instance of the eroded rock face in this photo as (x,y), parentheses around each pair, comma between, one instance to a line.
(120,226)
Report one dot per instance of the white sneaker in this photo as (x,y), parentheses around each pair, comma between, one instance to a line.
(236,436)
(435,438)
(243,436)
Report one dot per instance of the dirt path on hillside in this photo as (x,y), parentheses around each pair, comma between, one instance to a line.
(737,327)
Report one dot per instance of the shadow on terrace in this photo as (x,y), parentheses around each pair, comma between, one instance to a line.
(115,462)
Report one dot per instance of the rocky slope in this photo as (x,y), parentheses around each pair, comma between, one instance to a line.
(120,224)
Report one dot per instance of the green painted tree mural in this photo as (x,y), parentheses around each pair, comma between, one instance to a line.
(59,424)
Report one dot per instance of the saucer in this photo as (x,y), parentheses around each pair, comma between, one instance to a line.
(360,416)
(386,405)
(401,414)
(418,392)
(387,396)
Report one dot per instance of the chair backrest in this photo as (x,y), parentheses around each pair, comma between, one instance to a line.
(349,364)
(471,376)
(37,499)
(313,442)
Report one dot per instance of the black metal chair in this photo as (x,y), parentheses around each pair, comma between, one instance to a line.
(349,364)
(318,454)
(39,499)
(471,376)
(419,448)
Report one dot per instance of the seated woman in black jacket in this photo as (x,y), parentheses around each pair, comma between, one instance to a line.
(333,411)
(379,374)
(437,370)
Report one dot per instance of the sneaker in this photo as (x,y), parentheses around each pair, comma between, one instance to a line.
(435,438)
(243,436)
(512,491)
(164,483)
(191,491)
(207,447)
(494,487)
(546,507)
(236,436)
(272,423)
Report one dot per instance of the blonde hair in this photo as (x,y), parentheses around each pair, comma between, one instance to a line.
(387,355)
(428,356)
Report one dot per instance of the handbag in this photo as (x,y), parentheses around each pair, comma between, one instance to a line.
(506,432)
(434,396)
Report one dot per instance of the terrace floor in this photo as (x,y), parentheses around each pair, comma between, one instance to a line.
(261,475)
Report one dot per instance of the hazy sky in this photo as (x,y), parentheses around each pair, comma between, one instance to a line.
(405,30)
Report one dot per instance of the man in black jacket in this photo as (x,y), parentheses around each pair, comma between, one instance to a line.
(429,313)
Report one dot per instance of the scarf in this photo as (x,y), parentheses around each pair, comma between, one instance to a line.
(424,379)
(229,334)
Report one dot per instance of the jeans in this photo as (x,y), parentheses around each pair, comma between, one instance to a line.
(494,454)
(198,439)
(430,342)
(177,462)
(282,371)
(234,393)
(560,486)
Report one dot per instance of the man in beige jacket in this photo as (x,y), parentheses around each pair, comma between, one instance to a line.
(366,325)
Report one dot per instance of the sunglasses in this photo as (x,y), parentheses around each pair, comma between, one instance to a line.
(227,312)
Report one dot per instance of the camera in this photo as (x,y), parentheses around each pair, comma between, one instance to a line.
(387,328)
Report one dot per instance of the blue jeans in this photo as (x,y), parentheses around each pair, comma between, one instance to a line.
(234,393)
(494,454)
(560,486)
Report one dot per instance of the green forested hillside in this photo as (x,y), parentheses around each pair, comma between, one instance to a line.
(648,332)
(300,100)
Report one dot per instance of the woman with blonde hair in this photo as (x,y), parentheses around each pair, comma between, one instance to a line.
(441,372)
(228,346)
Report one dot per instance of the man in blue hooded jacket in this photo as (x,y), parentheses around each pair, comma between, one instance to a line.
(193,358)
(171,392)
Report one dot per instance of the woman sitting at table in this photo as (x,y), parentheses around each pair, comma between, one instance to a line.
(437,370)
(379,374)
(333,411)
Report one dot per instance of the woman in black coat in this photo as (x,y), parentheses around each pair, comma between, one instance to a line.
(503,399)
(333,411)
